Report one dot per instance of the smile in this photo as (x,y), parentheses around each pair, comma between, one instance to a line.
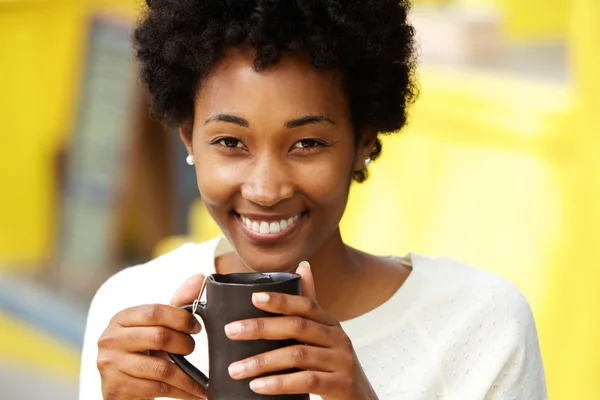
(270,227)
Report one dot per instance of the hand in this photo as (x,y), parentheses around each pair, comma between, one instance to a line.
(329,366)
(131,351)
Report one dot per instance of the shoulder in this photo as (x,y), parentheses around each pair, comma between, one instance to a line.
(484,322)
(470,288)
(473,303)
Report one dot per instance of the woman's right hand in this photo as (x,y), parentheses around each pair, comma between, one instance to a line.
(132,357)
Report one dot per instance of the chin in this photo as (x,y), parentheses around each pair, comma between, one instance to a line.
(268,260)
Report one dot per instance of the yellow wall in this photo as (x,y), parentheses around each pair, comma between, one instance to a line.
(502,174)
(579,300)
(544,20)
(37,79)
(41,51)
(524,20)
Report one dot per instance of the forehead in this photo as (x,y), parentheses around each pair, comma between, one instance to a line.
(292,86)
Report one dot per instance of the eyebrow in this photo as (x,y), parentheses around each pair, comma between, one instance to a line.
(308,119)
(295,123)
(228,118)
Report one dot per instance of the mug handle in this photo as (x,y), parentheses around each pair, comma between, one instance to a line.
(181,361)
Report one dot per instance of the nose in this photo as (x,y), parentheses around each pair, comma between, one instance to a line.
(267,181)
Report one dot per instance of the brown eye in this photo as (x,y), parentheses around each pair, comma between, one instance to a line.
(306,144)
(231,143)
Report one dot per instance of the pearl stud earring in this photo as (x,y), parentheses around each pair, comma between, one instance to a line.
(190,160)
(367,161)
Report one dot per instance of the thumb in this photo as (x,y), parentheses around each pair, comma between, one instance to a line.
(189,291)
(308,282)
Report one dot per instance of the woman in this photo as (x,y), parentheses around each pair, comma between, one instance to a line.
(280,105)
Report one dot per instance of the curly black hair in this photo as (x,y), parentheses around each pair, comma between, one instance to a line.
(371,43)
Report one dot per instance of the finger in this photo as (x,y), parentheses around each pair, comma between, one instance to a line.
(159,315)
(157,370)
(314,382)
(282,328)
(144,338)
(189,291)
(137,388)
(299,356)
(285,304)
(308,282)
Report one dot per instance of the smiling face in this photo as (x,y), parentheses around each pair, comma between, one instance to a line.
(274,154)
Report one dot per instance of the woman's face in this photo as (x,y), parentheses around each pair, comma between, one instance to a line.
(274,154)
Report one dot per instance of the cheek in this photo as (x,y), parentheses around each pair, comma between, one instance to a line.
(326,183)
(217,181)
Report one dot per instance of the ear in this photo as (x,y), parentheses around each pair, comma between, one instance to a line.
(186,131)
(364,147)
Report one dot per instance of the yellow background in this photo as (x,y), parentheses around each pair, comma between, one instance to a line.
(498,172)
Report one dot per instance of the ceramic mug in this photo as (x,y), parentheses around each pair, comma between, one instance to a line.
(229,299)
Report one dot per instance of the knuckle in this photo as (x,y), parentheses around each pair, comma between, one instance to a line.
(313,381)
(259,362)
(163,370)
(160,337)
(300,324)
(299,354)
(164,389)
(349,361)
(151,312)
(258,325)
(310,305)
(194,387)
(325,330)
(105,341)
(346,344)
(103,362)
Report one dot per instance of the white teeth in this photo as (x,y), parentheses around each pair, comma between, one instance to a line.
(274,227)
(264,228)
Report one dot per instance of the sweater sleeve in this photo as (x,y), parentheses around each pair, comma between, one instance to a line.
(522,373)
(103,307)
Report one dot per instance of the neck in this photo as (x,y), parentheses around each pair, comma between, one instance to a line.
(337,272)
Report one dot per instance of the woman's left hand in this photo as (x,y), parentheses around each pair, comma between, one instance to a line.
(329,366)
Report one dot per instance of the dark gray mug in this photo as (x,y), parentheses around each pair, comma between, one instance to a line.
(229,299)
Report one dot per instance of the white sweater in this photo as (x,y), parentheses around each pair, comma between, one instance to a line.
(450,332)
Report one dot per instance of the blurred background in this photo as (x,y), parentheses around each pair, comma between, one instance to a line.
(498,168)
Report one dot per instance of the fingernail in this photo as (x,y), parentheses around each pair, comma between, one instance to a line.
(233,329)
(305,264)
(197,327)
(260,297)
(236,369)
(258,384)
